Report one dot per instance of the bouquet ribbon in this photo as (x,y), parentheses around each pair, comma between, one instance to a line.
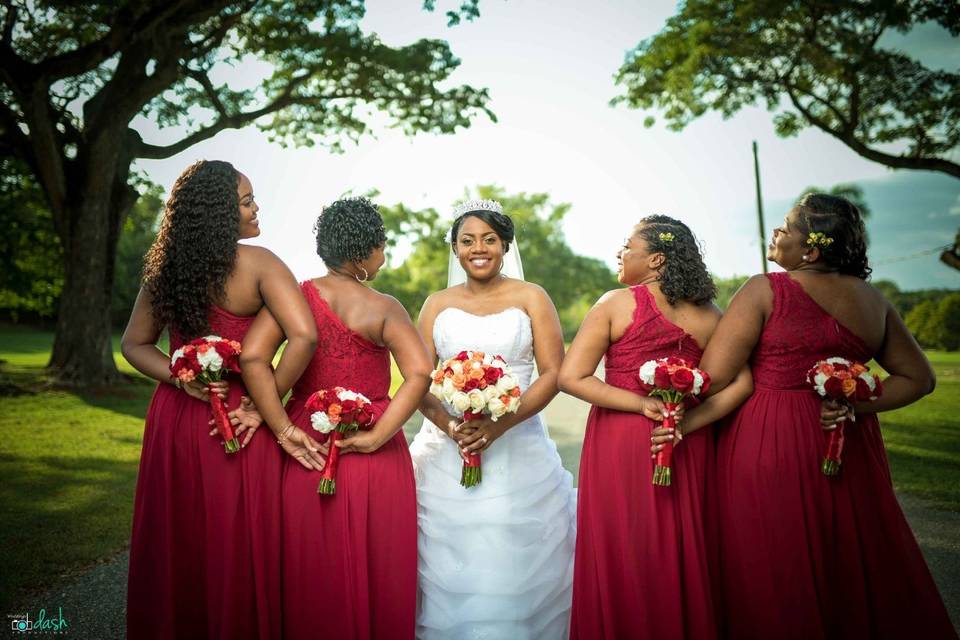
(471,474)
(661,469)
(222,422)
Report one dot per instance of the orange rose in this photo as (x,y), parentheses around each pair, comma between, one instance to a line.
(438,376)
(458,380)
(857,369)
(476,374)
(849,387)
(515,392)
(203,348)
(334,410)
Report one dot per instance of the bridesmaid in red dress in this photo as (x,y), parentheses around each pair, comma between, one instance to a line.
(349,559)
(642,567)
(204,559)
(805,555)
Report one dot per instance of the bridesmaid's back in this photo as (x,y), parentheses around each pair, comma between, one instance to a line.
(800,332)
(650,335)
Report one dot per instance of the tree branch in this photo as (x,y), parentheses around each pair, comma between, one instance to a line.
(9,20)
(204,80)
(888,159)
(286,98)
(92,55)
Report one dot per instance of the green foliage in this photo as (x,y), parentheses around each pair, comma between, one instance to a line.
(814,64)
(31,276)
(139,230)
(573,282)
(726,287)
(31,270)
(936,323)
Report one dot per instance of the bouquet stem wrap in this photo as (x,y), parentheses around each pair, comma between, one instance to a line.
(328,477)
(831,459)
(222,422)
(661,470)
(472,474)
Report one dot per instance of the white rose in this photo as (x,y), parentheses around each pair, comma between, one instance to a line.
(346,394)
(499,363)
(448,389)
(457,367)
(210,360)
(478,400)
(487,359)
(321,422)
(496,408)
(505,384)
(697,382)
(436,390)
(819,380)
(212,338)
(513,405)
(491,392)
(177,355)
(460,401)
(647,371)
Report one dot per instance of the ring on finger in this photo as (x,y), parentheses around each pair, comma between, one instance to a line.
(483,440)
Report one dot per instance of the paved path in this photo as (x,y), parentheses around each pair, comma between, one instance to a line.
(93,603)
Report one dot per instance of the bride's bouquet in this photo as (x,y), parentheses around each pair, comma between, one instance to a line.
(207,360)
(474,384)
(336,411)
(843,380)
(671,379)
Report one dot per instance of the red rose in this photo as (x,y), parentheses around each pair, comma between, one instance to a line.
(834,388)
(706,382)
(877,387)
(364,417)
(348,405)
(661,378)
(463,355)
(682,380)
(674,361)
(471,384)
(492,374)
(863,391)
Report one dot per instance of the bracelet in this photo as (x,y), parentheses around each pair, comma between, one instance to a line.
(285,433)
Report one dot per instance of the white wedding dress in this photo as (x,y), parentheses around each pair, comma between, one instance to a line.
(495,560)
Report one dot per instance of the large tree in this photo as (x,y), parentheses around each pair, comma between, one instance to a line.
(815,63)
(74,76)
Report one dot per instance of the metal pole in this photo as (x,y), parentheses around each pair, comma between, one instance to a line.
(763,233)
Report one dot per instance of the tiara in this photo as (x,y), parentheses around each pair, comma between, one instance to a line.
(477,205)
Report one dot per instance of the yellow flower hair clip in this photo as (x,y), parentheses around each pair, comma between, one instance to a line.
(666,237)
(819,239)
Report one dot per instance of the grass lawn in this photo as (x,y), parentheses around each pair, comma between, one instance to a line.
(69,462)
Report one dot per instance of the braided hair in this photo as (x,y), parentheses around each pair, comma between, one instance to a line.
(186,268)
(683,275)
(348,230)
(501,224)
(837,218)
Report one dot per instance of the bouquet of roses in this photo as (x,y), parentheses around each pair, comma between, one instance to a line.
(207,360)
(473,383)
(843,380)
(336,411)
(671,379)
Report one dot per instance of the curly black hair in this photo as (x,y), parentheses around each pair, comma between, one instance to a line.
(841,220)
(347,230)
(501,224)
(683,275)
(187,265)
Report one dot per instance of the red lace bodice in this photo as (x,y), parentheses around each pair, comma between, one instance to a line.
(798,334)
(222,323)
(343,358)
(649,336)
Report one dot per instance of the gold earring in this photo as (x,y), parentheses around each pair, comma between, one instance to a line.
(366,276)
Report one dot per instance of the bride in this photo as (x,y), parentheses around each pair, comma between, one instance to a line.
(495,560)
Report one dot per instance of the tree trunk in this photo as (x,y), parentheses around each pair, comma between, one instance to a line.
(97,205)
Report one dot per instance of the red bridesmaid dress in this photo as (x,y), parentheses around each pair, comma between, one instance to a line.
(805,555)
(205,547)
(349,559)
(641,567)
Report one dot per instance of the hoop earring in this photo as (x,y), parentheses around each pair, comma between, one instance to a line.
(366,276)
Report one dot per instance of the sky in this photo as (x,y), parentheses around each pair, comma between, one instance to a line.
(549,68)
